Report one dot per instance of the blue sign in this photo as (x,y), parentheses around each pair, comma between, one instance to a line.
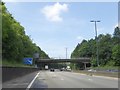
(28,61)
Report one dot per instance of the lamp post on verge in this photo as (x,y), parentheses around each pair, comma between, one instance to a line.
(96,39)
(66,56)
(66,52)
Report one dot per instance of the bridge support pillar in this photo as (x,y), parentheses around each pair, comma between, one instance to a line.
(85,65)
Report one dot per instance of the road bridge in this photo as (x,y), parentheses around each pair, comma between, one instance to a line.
(73,60)
(43,62)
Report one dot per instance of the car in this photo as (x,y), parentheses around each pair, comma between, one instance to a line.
(92,70)
(52,70)
(61,69)
(68,69)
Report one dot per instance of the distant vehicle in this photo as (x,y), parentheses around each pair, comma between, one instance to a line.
(68,68)
(62,69)
(92,70)
(46,67)
(52,69)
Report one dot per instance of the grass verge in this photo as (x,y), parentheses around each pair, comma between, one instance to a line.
(98,73)
(105,68)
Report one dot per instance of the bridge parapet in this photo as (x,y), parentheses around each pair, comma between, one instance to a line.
(73,60)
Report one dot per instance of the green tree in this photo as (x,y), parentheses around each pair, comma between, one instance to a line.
(116,36)
(108,47)
(15,43)
(105,48)
(116,54)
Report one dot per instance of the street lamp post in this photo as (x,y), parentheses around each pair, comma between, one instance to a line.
(96,40)
(66,52)
(66,56)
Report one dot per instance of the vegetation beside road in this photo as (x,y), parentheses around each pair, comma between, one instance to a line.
(108,50)
(16,44)
(106,68)
(98,73)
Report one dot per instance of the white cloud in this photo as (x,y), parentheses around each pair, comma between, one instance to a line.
(53,12)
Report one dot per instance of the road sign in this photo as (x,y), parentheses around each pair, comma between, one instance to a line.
(28,61)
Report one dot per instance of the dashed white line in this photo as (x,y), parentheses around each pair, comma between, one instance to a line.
(106,77)
(32,81)
(98,76)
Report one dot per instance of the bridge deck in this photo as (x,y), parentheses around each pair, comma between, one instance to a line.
(85,60)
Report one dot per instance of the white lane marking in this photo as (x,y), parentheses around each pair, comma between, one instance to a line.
(79,73)
(106,77)
(32,81)
(82,74)
(114,78)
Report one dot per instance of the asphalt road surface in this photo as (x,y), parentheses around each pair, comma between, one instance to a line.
(61,79)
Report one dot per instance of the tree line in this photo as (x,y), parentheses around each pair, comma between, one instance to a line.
(108,49)
(15,43)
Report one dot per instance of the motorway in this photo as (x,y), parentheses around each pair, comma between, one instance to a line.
(61,79)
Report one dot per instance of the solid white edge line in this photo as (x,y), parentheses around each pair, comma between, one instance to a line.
(32,81)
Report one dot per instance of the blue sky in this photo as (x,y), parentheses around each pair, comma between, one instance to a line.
(56,26)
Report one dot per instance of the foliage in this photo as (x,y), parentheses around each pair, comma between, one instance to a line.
(108,49)
(116,54)
(15,43)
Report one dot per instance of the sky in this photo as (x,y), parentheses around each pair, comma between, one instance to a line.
(55,26)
